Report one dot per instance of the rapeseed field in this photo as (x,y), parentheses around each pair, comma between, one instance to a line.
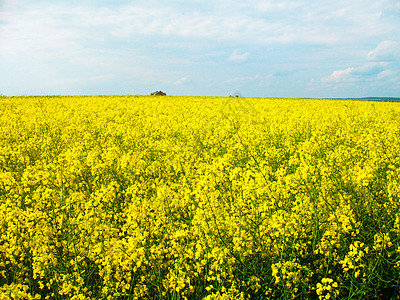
(146,197)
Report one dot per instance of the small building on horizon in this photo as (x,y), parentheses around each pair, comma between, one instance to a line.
(158,93)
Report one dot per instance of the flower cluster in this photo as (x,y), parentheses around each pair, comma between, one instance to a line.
(354,260)
(327,289)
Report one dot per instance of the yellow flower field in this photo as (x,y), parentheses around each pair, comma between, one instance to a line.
(146,197)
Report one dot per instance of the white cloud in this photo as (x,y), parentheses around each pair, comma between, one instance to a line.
(180,81)
(386,51)
(274,6)
(279,22)
(388,77)
(367,71)
(385,74)
(370,68)
(237,57)
(375,67)
(242,79)
(102,77)
(338,75)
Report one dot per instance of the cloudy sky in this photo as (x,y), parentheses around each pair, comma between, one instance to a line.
(285,48)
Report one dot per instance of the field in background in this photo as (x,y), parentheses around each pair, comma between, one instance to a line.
(135,197)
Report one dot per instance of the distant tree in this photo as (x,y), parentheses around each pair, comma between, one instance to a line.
(236,94)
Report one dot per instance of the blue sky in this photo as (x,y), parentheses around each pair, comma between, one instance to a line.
(260,48)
